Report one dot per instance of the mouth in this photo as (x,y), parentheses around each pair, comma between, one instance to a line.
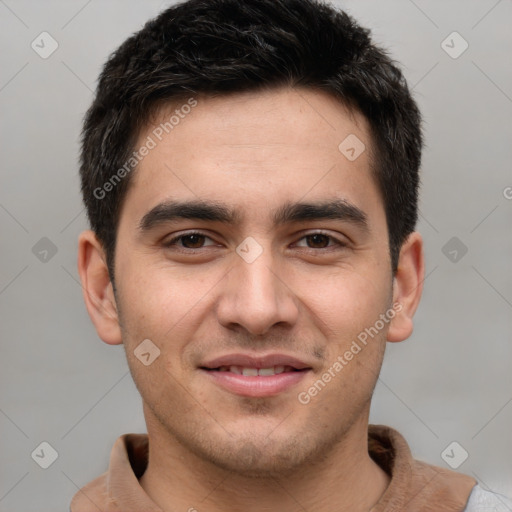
(253,376)
(255,372)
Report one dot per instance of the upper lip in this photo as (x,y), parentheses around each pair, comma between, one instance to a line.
(255,361)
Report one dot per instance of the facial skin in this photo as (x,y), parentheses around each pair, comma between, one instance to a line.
(302,296)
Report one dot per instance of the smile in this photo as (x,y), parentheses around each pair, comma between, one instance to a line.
(254,372)
(253,376)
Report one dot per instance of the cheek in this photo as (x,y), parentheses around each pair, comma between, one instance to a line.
(167,308)
(157,300)
(346,301)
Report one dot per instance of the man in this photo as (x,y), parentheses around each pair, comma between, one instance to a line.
(250,172)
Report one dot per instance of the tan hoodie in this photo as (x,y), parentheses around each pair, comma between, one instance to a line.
(415,486)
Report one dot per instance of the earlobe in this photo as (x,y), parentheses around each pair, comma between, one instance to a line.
(407,287)
(97,288)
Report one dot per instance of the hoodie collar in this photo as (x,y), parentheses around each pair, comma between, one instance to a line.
(414,485)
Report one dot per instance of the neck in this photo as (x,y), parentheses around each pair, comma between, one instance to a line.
(346,479)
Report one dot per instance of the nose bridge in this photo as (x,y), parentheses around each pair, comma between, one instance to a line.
(260,282)
(255,297)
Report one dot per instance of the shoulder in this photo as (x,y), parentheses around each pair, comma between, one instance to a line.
(481,500)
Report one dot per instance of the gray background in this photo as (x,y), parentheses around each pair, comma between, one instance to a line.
(451,381)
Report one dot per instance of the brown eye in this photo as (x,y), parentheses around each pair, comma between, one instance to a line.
(189,241)
(318,241)
(193,241)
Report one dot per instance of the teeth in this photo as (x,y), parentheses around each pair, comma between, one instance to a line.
(266,371)
(254,372)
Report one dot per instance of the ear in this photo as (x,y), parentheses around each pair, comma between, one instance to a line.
(97,288)
(407,287)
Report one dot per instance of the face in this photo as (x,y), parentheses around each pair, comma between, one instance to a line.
(274,263)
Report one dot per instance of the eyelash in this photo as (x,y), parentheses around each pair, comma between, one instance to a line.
(337,245)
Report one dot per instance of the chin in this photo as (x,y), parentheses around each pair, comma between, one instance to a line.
(257,455)
(252,461)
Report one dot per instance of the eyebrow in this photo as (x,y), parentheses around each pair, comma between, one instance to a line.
(336,209)
(170,211)
(212,211)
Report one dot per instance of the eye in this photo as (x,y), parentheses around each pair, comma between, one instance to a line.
(320,241)
(192,240)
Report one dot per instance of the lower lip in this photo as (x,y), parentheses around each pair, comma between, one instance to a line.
(258,386)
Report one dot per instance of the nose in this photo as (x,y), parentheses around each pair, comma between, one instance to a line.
(256,296)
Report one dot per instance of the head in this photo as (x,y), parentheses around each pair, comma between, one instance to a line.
(288,145)
(217,48)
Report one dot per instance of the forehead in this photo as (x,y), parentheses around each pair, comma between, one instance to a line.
(256,151)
